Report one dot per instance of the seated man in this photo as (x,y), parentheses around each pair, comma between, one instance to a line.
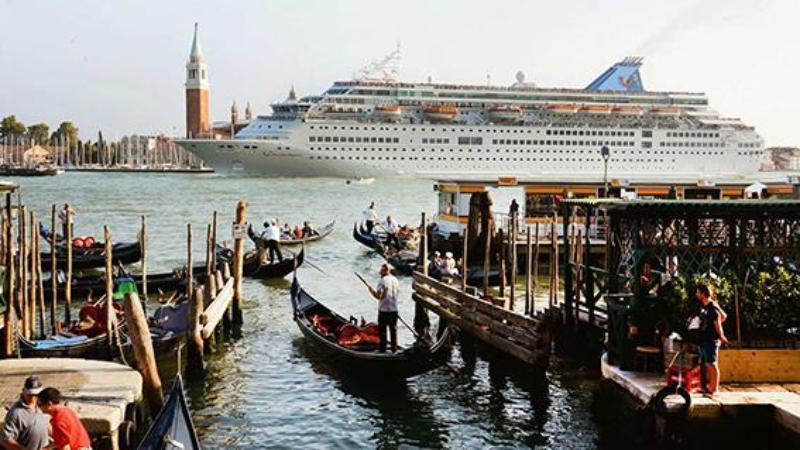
(435,265)
(449,265)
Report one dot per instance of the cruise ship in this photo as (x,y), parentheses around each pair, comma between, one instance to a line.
(377,126)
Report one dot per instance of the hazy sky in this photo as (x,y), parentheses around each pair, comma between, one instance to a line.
(118,66)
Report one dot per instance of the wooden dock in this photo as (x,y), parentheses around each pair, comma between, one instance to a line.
(783,399)
(100,392)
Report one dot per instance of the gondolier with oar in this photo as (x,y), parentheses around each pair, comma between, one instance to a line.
(271,236)
(386,294)
(370,216)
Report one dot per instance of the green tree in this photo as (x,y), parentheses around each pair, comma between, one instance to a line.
(39,133)
(66,132)
(10,126)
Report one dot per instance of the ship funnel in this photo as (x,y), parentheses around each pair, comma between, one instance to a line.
(623,76)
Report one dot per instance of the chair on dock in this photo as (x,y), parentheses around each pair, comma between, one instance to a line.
(648,357)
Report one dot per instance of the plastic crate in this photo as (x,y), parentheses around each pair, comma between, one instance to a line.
(690,378)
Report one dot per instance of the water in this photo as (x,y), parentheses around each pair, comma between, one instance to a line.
(270,388)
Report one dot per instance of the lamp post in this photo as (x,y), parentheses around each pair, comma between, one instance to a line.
(605,152)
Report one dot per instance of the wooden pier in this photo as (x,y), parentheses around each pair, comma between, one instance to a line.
(102,393)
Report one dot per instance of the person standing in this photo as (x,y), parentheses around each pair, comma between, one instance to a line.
(711,336)
(272,235)
(67,430)
(391,233)
(386,294)
(25,426)
(370,216)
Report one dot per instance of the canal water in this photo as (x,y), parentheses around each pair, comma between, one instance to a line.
(270,389)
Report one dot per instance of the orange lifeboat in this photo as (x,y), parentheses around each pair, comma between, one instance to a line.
(596,109)
(564,108)
(388,112)
(505,113)
(666,111)
(626,109)
(440,113)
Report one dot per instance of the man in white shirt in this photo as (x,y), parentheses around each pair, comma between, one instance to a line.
(391,233)
(272,235)
(370,216)
(386,294)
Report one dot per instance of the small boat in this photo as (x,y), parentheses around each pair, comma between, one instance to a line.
(370,240)
(93,257)
(253,266)
(173,427)
(389,113)
(505,113)
(329,330)
(320,233)
(404,261)
(440,113)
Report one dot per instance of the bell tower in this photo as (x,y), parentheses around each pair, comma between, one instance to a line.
(197,123)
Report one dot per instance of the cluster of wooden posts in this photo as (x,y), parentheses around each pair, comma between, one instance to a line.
(491,315)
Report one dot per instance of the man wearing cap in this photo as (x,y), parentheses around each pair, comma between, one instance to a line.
(68,431)
(25,426)
(386,294)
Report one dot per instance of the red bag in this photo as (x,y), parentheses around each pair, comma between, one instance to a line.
(690,378)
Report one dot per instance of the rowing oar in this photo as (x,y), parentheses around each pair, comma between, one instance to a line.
(314,266)
(366,283)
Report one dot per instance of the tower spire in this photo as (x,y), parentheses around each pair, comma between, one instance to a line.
(196,54)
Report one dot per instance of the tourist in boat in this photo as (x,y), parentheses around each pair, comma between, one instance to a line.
(25,426)
(712,335)
(449,265)
(298,232)
(370,216)
(392,228)
(66,428)
(308,231)
(386,294)
(271,236)
(286,232)
(435,266)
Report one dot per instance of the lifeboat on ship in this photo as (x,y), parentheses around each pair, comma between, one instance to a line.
(666,111)
(595,109)
(440,113)
(388,112)
(505,113)
(562,108)
(627,109)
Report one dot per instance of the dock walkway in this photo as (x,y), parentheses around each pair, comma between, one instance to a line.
(784,398)
(98,391)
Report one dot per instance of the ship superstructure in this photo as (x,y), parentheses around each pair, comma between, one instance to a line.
(381,127)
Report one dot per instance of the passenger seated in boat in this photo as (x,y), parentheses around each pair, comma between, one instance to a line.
(298,232)
(286,231)
(308,231)
(449,265)
(435,266)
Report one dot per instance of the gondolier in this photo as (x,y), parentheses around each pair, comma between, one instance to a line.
(271,236)
(391,232)
(386,294)
(370,216)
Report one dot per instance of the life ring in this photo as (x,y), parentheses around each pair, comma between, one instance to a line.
(660,406)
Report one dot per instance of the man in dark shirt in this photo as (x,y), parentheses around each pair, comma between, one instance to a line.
(711,336)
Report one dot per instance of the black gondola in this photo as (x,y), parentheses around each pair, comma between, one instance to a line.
(62,346)
(253,266)
(93,257)
(173,427)
(321,233)
(370,240)
(407,362)
(404,261)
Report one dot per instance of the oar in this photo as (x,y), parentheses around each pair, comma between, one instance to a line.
(366,283)
(314,266)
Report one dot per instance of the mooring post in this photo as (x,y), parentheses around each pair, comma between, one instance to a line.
(109,287)
(238,256)
(214,242)
(424,246)
(22,219)
(143,248)
(139,334)
(53,272)
(32,229)
(189,262)
(8,322)
(210,288)
(513,292)
(68,284)
(501,262)
(194,369)
(487,253)
(39,280)
(555,261)
(535,270)
(464,260)
(528,267)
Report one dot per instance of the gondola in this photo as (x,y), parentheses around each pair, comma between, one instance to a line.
(407,362)
(173,427)
(369,240)
(168,330)
(93,257)
(404,261)
(320,234)
(166,282)
(253,266)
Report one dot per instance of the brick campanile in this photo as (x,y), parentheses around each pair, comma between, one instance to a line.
(197,123)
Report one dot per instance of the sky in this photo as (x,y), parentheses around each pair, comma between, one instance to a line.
(118,66)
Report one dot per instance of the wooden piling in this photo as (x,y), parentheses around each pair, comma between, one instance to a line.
(32,229)
(513,236)
(555,261)
(535,269)
(210,287)
(8,289)
(40,280)
(465,260)
(68,285)
(501,262)
(109,287)
(487,250)
(139,334)
(424,246)
(189,262)
(23,274)
(214,242)
(238,256)
(528,267)
(143,247)
(194,367)
(53,272)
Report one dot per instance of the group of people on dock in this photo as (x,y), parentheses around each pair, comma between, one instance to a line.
(39,420)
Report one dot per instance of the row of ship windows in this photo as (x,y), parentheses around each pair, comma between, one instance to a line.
(747,145)
(691,134)
(499,151)
(690,144)
(381,140)
(445,158)
(444,129)
(592,133)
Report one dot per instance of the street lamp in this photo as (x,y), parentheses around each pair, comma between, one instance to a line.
(605,152)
